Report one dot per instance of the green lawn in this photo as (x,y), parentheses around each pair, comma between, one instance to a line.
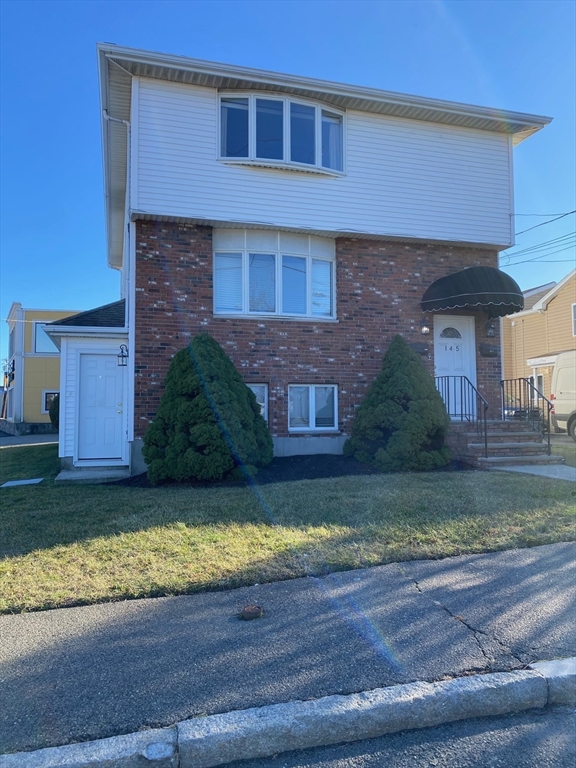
(568,453)
(73,545)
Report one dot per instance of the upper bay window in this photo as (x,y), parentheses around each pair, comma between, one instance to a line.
(279,130)
(263,272)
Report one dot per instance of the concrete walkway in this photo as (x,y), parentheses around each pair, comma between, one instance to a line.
(80,674)
(6,439)
(555,471)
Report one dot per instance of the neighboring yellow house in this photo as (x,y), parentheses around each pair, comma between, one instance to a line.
(32,375)
(532,339)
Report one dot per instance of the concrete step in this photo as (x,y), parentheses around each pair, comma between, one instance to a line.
(92,476)
(502,461)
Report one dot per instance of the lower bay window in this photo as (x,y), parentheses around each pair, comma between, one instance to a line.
(260,272)
(312,407)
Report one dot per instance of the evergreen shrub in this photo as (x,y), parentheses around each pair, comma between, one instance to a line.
(54,412)
(402,422)
(208,424)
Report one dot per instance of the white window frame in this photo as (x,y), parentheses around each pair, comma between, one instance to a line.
(35,324)
(573,319)
(312,409)
(278,252)
(287,163)
(45,392)
(264,407)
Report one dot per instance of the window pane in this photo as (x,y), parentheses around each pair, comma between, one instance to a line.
(293,285)
(321,288)
(324,406)
(269,129)
(299,406)
(302,134)
(43,343)
(48,400)
(234,127)
(262,282)
(331,141)
(260,392)
(228,282)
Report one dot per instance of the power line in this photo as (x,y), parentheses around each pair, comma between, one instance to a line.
(538,258)
(537,214)
(545,222)
(538,246)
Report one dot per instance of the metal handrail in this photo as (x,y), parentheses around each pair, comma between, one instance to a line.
(521,400)
(464,402)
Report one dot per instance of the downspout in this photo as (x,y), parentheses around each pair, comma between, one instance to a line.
(127,267)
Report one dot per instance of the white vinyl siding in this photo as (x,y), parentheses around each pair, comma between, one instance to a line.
(402,178)
(69,383)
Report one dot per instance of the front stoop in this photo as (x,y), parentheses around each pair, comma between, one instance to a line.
(92,476)
(509,443)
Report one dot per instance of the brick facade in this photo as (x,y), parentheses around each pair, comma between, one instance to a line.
(378,290)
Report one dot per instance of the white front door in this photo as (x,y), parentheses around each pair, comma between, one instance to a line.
(455,358)
(101,407)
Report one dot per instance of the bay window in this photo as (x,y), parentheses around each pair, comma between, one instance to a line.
(259,272)
(312,407)
(281,130)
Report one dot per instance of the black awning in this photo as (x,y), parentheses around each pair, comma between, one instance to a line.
(484,288)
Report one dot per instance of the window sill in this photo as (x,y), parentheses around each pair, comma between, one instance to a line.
(281,166)
(311,431)
(290,318)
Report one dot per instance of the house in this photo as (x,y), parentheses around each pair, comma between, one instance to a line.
(32,371)
(533,338)
(303,224)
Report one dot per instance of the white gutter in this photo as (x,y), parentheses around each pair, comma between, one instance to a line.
(266,77)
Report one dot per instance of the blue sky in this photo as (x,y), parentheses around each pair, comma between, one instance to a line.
(517,55)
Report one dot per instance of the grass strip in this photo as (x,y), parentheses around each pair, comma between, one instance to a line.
(74,545)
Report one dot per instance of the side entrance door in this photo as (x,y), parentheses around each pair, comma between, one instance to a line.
(455,358)
(101,407)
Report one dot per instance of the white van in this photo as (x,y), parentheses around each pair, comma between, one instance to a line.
(563,395)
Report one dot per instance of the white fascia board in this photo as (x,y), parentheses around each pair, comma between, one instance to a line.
(538,362)
(57,332)
(13,312)
(545,300)
(265,77)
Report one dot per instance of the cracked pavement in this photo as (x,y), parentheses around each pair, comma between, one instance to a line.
(84,673)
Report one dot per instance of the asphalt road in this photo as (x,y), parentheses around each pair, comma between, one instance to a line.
(85,673)
(533,739)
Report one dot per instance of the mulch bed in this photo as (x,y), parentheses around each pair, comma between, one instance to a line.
(283,469)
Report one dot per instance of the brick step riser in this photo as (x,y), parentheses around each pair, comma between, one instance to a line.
(499,427)
(478,450)
(512,460)
(503,437)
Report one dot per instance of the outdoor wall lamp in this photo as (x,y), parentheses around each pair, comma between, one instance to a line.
(425,328)
(490,328)
(123,355)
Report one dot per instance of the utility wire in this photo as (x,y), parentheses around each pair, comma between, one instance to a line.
(538,258)
(540,246)
(546,222)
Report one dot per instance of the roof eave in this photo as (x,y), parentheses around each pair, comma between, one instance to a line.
(541,305)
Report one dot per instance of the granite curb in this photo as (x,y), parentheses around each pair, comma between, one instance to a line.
(214,740)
